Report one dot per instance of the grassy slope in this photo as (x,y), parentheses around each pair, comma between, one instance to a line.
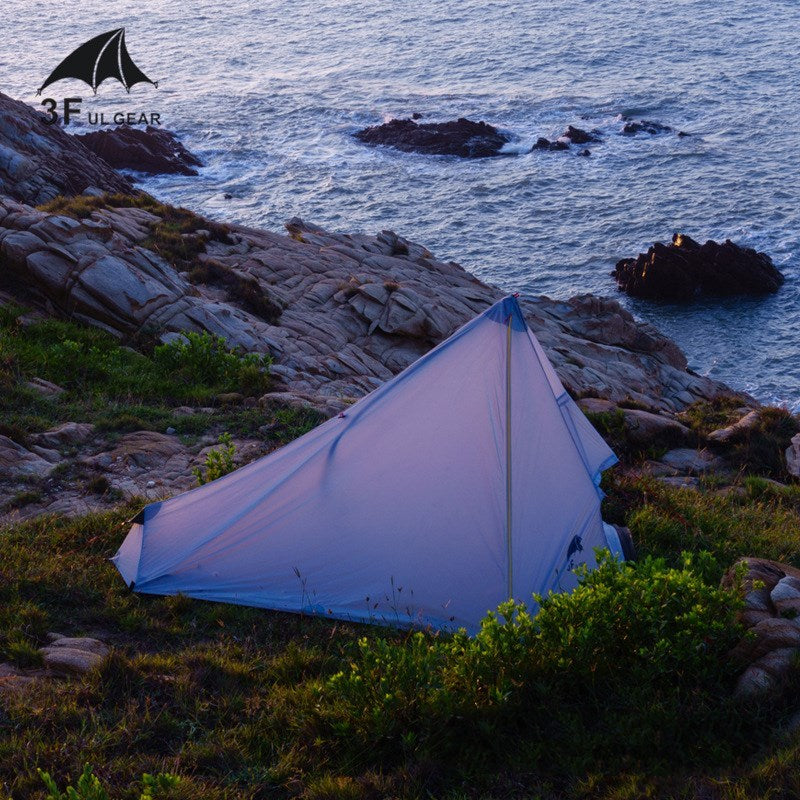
(242,703)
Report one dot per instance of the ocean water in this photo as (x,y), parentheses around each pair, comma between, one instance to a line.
(269,94)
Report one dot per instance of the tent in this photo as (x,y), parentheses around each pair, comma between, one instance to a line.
(468,479)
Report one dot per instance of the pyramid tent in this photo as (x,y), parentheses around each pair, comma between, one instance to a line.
(469,478)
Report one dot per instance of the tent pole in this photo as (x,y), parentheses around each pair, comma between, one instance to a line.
(508,461)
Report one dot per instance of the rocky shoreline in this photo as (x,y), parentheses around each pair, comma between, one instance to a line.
(338,313)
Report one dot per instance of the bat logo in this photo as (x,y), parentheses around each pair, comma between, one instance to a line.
(100,58)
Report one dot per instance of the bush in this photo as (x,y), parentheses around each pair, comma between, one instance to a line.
(646,636)
(206,358)
(90,788)
(219,462)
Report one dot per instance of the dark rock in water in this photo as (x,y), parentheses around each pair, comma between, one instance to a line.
(39,161)
(633,127)
(416,115)
(683,133)
(152,150)
(580,136)
(585,152)
(546,144)
(463,137)
(684,268)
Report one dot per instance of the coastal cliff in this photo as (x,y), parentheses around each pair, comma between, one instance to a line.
(354,309)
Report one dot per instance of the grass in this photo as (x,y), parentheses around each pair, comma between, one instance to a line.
(109,384)
(173,236)
(246,703)
(620,690)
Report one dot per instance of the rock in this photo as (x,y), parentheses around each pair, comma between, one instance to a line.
(645,428)
(356,308)
(753,682)
(785,596)
(229,398)
(579,136)
(684,268)
(146,449)
(793,456)
(546,144)
(726,435)
(769,634)
(70,659)
(633,127)
(66,434)
(685,461)
(85,643)
(596,405)
(325,406)
(39,162)
(152,150)
(585,152)
(463,137)
(18,462)
(44,387)
(679,481)
(170,431)
(762,570)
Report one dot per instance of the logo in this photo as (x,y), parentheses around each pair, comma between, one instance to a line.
(102,57)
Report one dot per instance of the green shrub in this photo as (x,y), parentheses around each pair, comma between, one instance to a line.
(647,635)
(90,788)
(206,358)
(218,462)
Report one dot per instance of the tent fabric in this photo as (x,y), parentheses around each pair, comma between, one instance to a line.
(469,478)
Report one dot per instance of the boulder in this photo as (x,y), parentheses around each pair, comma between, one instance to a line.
(725,435)
(39,162)
(685,460)
(546,144)
(769,634)
(644,428)
(684,268)
(67,434)
(793,456)
(633,127)
(85,643)
(70,659)
(462,137)
(759,569)
(45,388)
(153,150)
(146,449)
(785,596)
(17,461)
(580,136)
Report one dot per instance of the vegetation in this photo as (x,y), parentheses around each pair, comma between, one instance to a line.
(173,236)
(108,383)
(219,461)
(180,237)
(621,689)
(90,788)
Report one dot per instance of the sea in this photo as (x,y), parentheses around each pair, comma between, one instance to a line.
(269,95)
